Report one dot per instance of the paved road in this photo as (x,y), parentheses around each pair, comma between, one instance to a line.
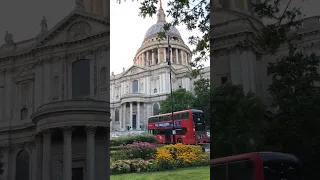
(206,147)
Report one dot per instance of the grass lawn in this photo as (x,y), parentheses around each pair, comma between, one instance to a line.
(202,173)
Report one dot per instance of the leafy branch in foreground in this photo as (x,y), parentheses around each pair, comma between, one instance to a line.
(277,32)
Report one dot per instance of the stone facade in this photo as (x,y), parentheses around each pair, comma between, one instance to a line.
(234,22)
(136,93)
(54,107)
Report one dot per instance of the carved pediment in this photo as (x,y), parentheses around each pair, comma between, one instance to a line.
(75,26)
(134,70)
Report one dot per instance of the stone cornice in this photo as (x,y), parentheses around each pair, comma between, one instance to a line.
(36,51)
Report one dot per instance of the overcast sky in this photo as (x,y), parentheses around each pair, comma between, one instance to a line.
(128,30)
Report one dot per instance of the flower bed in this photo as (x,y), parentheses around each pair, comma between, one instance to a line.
(179,155)
(143,150)
(166,157)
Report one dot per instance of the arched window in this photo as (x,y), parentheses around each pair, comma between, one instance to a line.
(103,76)
(156,109)
(81,78)
(24,114)
(22,165)
(116,115)
(155,91)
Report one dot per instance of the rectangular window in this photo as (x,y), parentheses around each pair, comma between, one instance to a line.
(177,116)
(185,115)
(218,172)
(135,87)
(241,170)
(167,118)
(181,131)
(81,78)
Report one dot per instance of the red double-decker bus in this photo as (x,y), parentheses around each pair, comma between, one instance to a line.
(190,127)
(256,166)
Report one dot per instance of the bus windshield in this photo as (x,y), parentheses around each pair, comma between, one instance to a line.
(282,170)
(198,120)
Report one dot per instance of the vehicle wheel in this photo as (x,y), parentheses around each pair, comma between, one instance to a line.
(179,140)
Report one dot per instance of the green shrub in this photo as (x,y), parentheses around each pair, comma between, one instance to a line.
(131,166)
(143,150)
(114,148)
(133,138)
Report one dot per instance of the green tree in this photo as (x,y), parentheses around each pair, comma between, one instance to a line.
(202,97)
(195,15)
(182,100)
(236,121)
(294,90)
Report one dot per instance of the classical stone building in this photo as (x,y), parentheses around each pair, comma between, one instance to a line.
(234,21)
(54,99)
(136,93)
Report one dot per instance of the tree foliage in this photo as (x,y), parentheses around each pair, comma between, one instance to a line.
(181,100)
(237,121)
(195,15)
(202,97)
(295,91)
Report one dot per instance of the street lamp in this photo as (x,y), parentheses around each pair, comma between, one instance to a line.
(170,70)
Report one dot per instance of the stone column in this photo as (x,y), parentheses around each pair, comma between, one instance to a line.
(164,54)
(153,60)
(131,114)
(106,6)
(177,56)
(46,164)
(6,162)
(124,115)
(67,153)
(159,55)
(246,7)
(148,60)
(47,82)
(39,157)
(182,59)
(8,95)
(232,4)
(171,54)
(120,117)
(138,115)
(143,59)
(91,153)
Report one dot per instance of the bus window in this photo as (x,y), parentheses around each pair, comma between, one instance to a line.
(241,170)
(177,116)
(218,172)
(160,119)
(185,115)
(167,118)
(277,170)
(153,119)
(181,131)
(198,120)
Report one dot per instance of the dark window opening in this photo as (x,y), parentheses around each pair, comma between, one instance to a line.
(116,115)
(81,78)
(218,172)
(135,87)
(241,170)
(224,80)
(24,114)
(22,165)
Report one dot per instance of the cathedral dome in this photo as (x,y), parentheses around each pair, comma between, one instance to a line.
(153,31)
(158,27)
